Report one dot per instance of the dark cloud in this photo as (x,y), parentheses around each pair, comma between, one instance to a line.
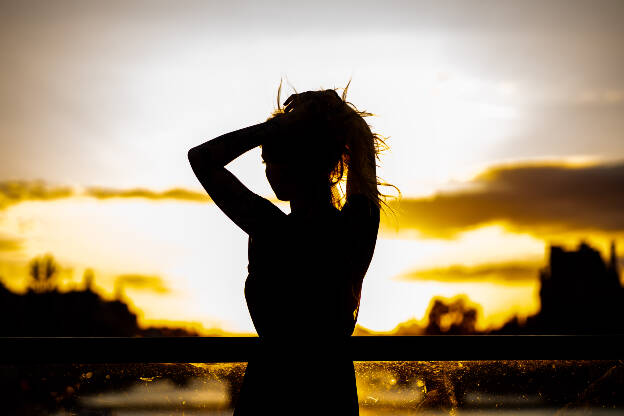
(510,271)
(141,282)
(176,193)
(533,198)
(13,192)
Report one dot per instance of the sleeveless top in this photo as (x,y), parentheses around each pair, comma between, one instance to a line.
(305,275)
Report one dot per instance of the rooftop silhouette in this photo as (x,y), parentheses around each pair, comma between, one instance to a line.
(580,292)
(45,311)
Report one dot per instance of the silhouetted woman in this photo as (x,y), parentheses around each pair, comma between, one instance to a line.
(305,268)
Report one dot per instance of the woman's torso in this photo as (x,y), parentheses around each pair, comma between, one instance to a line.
(294,279)
(305,275)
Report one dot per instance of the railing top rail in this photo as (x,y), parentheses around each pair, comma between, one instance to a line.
(374,348)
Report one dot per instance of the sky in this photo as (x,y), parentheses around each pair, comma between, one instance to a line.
(505,122)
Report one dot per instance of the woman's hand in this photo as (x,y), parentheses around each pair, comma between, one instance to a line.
(313,101)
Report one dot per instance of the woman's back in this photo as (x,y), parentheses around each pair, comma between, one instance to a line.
(305,274)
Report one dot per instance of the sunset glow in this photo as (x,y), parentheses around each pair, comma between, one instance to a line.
(504,139)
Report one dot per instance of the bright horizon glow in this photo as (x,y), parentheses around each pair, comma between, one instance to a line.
(201,257)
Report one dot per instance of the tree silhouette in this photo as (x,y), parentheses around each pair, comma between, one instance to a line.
(87,278)
(451,317)
(43,272)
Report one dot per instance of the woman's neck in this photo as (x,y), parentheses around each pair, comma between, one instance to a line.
(311,201)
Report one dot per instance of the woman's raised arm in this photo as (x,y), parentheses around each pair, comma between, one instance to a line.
(362,169)
(220,151)
(248,210)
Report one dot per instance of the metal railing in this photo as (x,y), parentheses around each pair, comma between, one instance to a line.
(373,348)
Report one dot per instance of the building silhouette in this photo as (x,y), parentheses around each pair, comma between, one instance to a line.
(580,292)
(75,313)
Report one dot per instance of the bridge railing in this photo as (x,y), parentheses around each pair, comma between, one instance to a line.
(370,348)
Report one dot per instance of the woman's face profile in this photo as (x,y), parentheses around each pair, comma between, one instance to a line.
(280,178)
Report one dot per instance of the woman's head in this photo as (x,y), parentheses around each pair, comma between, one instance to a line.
(324,139)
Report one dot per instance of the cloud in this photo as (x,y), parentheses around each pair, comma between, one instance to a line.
(601,97)
(141,282)
(10,244)
(509,271)
(536,198)
(539,198)
(175,193)
(14,192)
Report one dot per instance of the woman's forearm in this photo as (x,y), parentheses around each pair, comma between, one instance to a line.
(221,150)
(362,174)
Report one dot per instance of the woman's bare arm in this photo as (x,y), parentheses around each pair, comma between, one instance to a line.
(220,151)
(364,175)
(208,160)
(361,212)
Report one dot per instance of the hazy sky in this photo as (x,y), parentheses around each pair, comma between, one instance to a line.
(114,93)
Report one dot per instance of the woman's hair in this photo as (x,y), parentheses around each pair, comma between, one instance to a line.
(337,140)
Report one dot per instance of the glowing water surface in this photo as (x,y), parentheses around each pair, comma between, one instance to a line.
(384,388)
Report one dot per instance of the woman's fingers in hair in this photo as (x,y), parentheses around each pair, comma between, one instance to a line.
(332,94)
(290,100)
(312,101)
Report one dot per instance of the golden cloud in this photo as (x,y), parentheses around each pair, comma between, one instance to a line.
(540,199)
(10,244)
(509,271)
(14,192)
(141,282)
(17,191)
(176,193)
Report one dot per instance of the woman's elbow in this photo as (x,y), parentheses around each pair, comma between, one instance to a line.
(198,160)
(201,166)
(192,155)
(197,166)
